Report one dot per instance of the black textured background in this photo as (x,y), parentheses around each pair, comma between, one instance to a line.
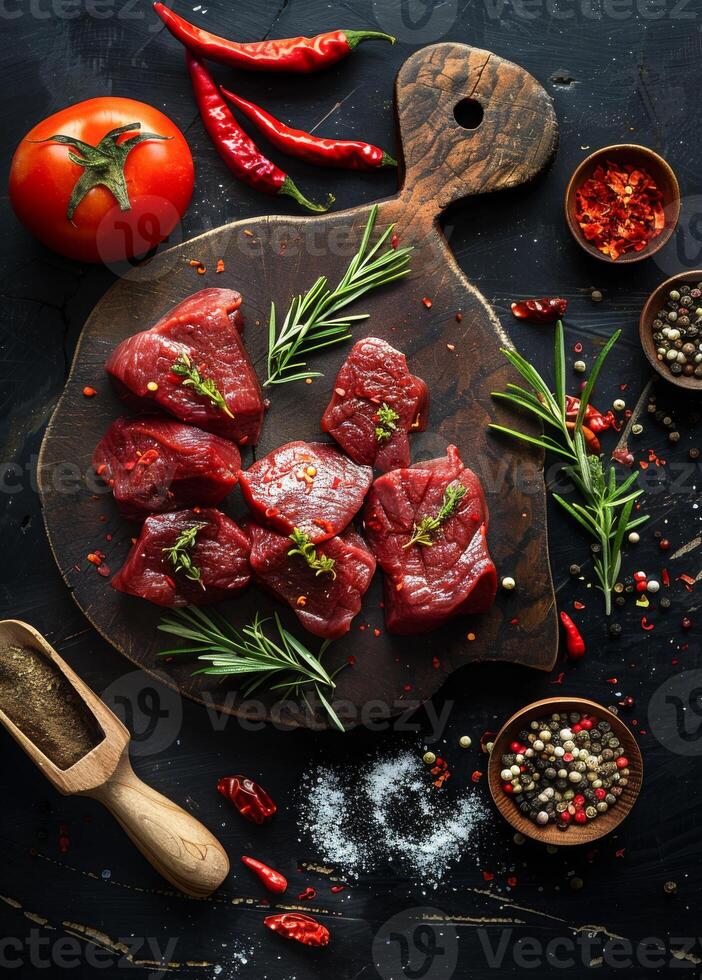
(618,71)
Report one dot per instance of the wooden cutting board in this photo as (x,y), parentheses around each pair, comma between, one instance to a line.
(271,258)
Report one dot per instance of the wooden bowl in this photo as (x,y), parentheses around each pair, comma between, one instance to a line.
(647,160)
(576,833)
(653,304)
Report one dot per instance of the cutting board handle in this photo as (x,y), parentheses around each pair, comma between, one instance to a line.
(445,88)
(173,841)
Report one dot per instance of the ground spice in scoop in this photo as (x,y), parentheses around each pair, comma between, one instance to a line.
(619,209)
(43,704)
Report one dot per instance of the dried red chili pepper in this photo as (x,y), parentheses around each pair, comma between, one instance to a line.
(298,54)
(238,150)
(594,419)
(544,310)
(619,209)
(302,928)
(250,799)
(272,879)
(575,645)
(354,154)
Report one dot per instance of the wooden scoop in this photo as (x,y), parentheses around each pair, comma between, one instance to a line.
(173,841)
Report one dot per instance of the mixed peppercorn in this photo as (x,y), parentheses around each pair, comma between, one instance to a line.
(676,331)
(565,770)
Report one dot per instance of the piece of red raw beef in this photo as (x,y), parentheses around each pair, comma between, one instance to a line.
(325,604)
(306,485)
(219,554)
(375,404)
(205,329)
(425,585)
(155,465)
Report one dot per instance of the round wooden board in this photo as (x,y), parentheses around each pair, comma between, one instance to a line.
(273,258)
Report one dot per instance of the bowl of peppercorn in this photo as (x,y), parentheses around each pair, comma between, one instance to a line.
(622,203)
(670,328)
(564,771)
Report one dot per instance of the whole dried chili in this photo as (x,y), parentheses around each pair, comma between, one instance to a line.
(238,150)
(272,879)
(250,799)
(301,928)
(353,154)
(575,645)
(545,310)
(594,419)
(296,54)
(619,209)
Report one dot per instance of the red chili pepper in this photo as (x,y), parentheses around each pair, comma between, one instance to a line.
(250,799)
(238,150)
(272,879)
(575,645)
(594,419)
(353,154)
(302,928)
(544,310)
(592,443)
(298,54)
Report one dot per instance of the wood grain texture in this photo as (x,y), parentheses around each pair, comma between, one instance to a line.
(271,258)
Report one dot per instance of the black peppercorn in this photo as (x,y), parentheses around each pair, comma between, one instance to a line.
(615,630)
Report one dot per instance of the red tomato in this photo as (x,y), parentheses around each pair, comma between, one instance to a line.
(150,184)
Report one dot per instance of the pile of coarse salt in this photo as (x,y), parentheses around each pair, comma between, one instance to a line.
(388,813)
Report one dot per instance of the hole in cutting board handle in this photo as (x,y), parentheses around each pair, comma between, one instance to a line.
(468,113)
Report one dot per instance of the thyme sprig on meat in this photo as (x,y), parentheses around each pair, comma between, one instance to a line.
(282,662)
(206,387)
(607,505)
(311,323)
(179,554)
(320,564)
(424,532)
(386,418)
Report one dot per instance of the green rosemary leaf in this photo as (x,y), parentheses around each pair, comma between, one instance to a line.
(387,419)
(179,554)
(424,532)
(320,564)
(192,378)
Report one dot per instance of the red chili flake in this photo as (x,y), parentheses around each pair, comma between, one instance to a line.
(64,841)
(512,881)
(645,625)
(476,776)
(129,465)
(665,577)
(612,680)
(514,622)
(686,623)
(300,928)
(335,889)
(376,631)
(687,580)
(623,456)
(459,316)
(427,302)
(544,310)
(407,688)
(104,570)
(147,458)
(643,464)
(394,241)
(351,660)
(435,662)
(307,894)
(94,558)
(250,799)
(620,852)
(220,265)
(619,209)
(488,875)
(451,346)
(664,544)
(559,679)
(578,605)
(89,392)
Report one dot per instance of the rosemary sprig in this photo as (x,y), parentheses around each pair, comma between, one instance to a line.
(311,322)
(179,554)
(423,533)
(251,652)
(206,387)
(386,418)
(320,564)
(607,508)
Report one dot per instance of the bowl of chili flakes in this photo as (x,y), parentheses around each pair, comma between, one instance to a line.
(622,203)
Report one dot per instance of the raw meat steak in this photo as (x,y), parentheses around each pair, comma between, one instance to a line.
(374,378)
(220,552)
(426,585)
(306,485)
(324,605)
(155,465)
(206,329)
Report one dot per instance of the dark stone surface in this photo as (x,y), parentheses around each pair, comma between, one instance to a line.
(617,72)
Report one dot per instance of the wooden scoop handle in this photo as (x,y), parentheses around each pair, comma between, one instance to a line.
(173,841)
